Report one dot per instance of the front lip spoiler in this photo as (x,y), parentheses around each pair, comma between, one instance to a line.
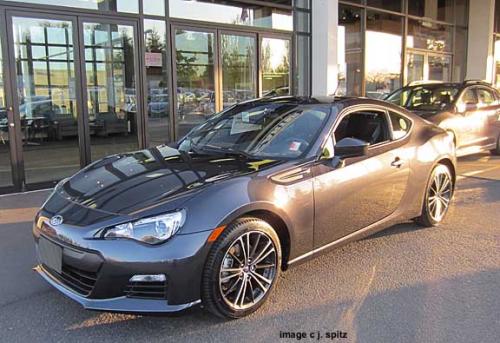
(119,304)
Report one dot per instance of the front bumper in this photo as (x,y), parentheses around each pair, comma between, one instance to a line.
(96,273)
(118,304)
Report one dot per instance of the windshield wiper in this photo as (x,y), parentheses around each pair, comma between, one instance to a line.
(225,150)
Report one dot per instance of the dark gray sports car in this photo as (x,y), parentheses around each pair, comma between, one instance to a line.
(260,187)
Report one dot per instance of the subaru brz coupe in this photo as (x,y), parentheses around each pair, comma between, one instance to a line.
(261,186)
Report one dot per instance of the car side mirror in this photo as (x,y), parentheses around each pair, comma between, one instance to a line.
(351,147)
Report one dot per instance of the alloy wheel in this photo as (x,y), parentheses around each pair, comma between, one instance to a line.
(248,270)
(440,194)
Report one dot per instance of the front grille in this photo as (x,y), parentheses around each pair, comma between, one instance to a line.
(78,280)
(147,290)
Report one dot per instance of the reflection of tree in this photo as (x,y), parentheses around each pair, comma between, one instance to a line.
(154,41)
(237,59)
(275,76)
(185,68)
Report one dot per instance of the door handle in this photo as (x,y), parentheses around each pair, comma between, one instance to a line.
(397,163)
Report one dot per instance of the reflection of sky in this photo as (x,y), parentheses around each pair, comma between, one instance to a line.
(383,52)
(225,14)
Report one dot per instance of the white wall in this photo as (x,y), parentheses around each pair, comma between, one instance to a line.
(324,46)
(480,41)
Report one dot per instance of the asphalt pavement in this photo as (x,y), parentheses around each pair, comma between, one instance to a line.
(405,284)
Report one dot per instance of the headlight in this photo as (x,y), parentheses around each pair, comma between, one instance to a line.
(151,230)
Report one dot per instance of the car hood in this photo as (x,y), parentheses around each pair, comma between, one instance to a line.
(132,182)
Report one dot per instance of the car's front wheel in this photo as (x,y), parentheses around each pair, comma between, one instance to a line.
(241,269)
(438,196)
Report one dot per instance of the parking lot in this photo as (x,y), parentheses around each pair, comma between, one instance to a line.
(406,284)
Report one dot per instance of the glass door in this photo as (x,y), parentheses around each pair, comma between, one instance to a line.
(238,65)
(194,76)
(45,100)
(110,86)
(6,127)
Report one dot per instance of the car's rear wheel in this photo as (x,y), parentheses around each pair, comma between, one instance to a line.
(242,268)
(496,151)
(438,196)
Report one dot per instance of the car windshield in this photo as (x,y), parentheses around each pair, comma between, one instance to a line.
(271,130)
(424,98)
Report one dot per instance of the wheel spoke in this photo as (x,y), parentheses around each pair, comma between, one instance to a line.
(243,294)
(232,288)
(262,278)
(445,184)
(445,201)
(248,248)
(264,288)
(242,245)
(438,209)
(239,291)
(437,182)
(235,257)
(229,277)
(263,251)
(255,245)
(251,289)
(263,256)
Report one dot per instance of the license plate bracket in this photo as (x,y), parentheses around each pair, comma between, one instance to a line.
(50,254)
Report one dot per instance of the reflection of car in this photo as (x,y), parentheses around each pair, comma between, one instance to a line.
(469,111)
(254,190)
(279,91)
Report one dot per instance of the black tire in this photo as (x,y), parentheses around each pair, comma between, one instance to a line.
(427,218)
(212,284)
(496,151)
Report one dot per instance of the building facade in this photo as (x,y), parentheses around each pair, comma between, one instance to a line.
(83,79)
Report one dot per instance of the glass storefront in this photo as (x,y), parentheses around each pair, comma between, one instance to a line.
(421,40)
(87,79)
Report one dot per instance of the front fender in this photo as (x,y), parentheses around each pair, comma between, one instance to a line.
(223,203)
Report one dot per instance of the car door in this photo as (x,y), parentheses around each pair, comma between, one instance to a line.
(461,121)
(351,195)
(487,115)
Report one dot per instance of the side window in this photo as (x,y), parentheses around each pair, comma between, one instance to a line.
(400,125)
(368,126)
(468,97)
(485,97)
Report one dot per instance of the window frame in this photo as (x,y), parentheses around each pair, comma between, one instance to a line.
(371,148)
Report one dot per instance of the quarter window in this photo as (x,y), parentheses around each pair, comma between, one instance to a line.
(400,125)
